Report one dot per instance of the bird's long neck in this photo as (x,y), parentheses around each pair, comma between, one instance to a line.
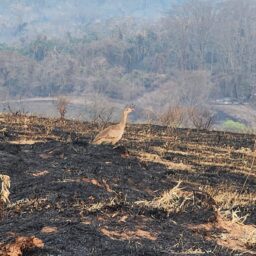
(123,119)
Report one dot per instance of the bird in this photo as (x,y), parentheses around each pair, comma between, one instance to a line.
(113,133)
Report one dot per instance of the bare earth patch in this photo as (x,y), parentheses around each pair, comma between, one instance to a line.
(129,234)
(232,235)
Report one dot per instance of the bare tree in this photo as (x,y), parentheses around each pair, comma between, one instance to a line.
(190,25)
(234,35)
(173,117)
(193,87)
(61,105)
(202,118)
(100,111)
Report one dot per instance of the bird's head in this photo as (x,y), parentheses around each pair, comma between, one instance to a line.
(129,109)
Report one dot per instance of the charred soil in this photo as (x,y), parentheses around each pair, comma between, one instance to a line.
(160,192)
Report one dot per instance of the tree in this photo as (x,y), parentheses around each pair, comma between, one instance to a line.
(234,35)
(61,105)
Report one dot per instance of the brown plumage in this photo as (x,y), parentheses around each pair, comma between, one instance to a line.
(113,133)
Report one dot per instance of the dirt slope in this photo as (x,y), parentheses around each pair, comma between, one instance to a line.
(83,199)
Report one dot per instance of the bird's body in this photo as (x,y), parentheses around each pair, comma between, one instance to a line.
(113,133)
(110,135)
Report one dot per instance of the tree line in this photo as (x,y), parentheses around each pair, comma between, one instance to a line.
(200,50)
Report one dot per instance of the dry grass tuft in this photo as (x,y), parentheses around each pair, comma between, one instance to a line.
(113,203)
(172,201)
(250,241)
(6,183)
(233,215)
(230,203)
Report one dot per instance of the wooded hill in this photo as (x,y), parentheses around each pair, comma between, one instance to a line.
(200,50)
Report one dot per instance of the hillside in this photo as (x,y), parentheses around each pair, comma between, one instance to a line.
(161,192)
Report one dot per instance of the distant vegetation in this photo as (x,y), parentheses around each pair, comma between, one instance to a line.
(234,126)
(200,50)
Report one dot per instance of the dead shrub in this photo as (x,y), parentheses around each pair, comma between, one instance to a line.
(201,118)
(62,105)
(20,112)
(148,115)
(101,115)
(173,117)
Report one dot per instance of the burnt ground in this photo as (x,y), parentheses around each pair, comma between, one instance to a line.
(84,199)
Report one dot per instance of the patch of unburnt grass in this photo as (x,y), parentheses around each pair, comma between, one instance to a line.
(4,193)
(113,204)
(192,205)
(233,204)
